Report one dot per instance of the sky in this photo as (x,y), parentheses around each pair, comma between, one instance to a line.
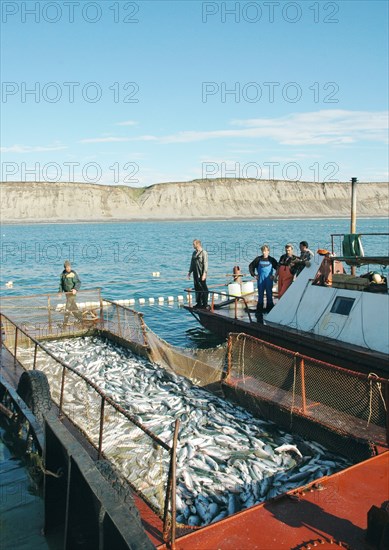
(139,93)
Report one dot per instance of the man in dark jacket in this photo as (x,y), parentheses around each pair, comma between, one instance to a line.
(69,283)
(264,265)
(199,268)
(304,260)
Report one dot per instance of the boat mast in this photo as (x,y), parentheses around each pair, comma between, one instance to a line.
(353,227)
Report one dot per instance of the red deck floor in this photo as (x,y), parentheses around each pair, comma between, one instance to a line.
(337,512)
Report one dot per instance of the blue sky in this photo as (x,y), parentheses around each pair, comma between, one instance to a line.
(138,93)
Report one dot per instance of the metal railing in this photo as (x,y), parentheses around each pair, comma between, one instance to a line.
(342,399)
(67,383)
(230,299)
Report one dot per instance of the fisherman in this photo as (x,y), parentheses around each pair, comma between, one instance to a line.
(304,260)
(199,268)
(264,265)
(284,274)
(70,283)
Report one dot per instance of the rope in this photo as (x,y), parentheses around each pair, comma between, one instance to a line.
(39,463)
(294,388)
(241,353)
(372,376)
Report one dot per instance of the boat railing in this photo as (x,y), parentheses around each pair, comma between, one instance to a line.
(47,316)
(350,250)
(306,389)
(107,426)
(230,299)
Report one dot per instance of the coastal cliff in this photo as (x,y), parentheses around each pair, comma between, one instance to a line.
(198,199)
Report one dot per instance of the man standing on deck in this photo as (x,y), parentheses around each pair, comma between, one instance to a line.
(69,283)
(264,265)
(304,260)
(199,268)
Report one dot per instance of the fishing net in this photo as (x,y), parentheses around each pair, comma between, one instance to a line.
(127,327)
(202,367)
(125,323)
(293,388)
(52,315)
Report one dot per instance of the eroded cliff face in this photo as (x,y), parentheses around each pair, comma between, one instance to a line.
(72,202)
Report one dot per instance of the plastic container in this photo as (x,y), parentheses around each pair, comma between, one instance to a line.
(247,287)
(234,289)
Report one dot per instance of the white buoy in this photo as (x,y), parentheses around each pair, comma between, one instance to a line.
(180,298)
(161,299)
(151,300)
(157,274)
(10,284)
(142,300)
(170,299)
(216,296)
(131,301)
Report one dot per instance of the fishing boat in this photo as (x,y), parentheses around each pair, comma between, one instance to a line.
(325,313)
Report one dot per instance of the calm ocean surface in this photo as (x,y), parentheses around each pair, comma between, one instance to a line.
(121,258)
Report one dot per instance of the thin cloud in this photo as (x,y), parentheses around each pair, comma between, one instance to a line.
(105,140)
(127,123)
(31,148)
(314,128)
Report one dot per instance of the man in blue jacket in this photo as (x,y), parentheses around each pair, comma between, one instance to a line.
(264,265)
(70,283)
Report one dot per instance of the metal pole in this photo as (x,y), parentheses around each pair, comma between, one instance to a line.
(173,496)
(16,346)
(387,411)
(62,390)
(353,225)
(35,352)
(49,313)
(101,427)
(302,372)
(171,484)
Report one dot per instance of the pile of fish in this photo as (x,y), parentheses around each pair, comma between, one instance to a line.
(227,460)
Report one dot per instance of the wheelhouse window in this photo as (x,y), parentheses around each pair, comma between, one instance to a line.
(342,305)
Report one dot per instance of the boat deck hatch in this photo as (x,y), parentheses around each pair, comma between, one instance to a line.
(342,305)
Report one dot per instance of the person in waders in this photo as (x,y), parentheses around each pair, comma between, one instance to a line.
(264,265)
(199,268)
(70,283)
(284,274)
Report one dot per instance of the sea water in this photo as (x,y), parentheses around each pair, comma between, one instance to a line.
(121,259)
